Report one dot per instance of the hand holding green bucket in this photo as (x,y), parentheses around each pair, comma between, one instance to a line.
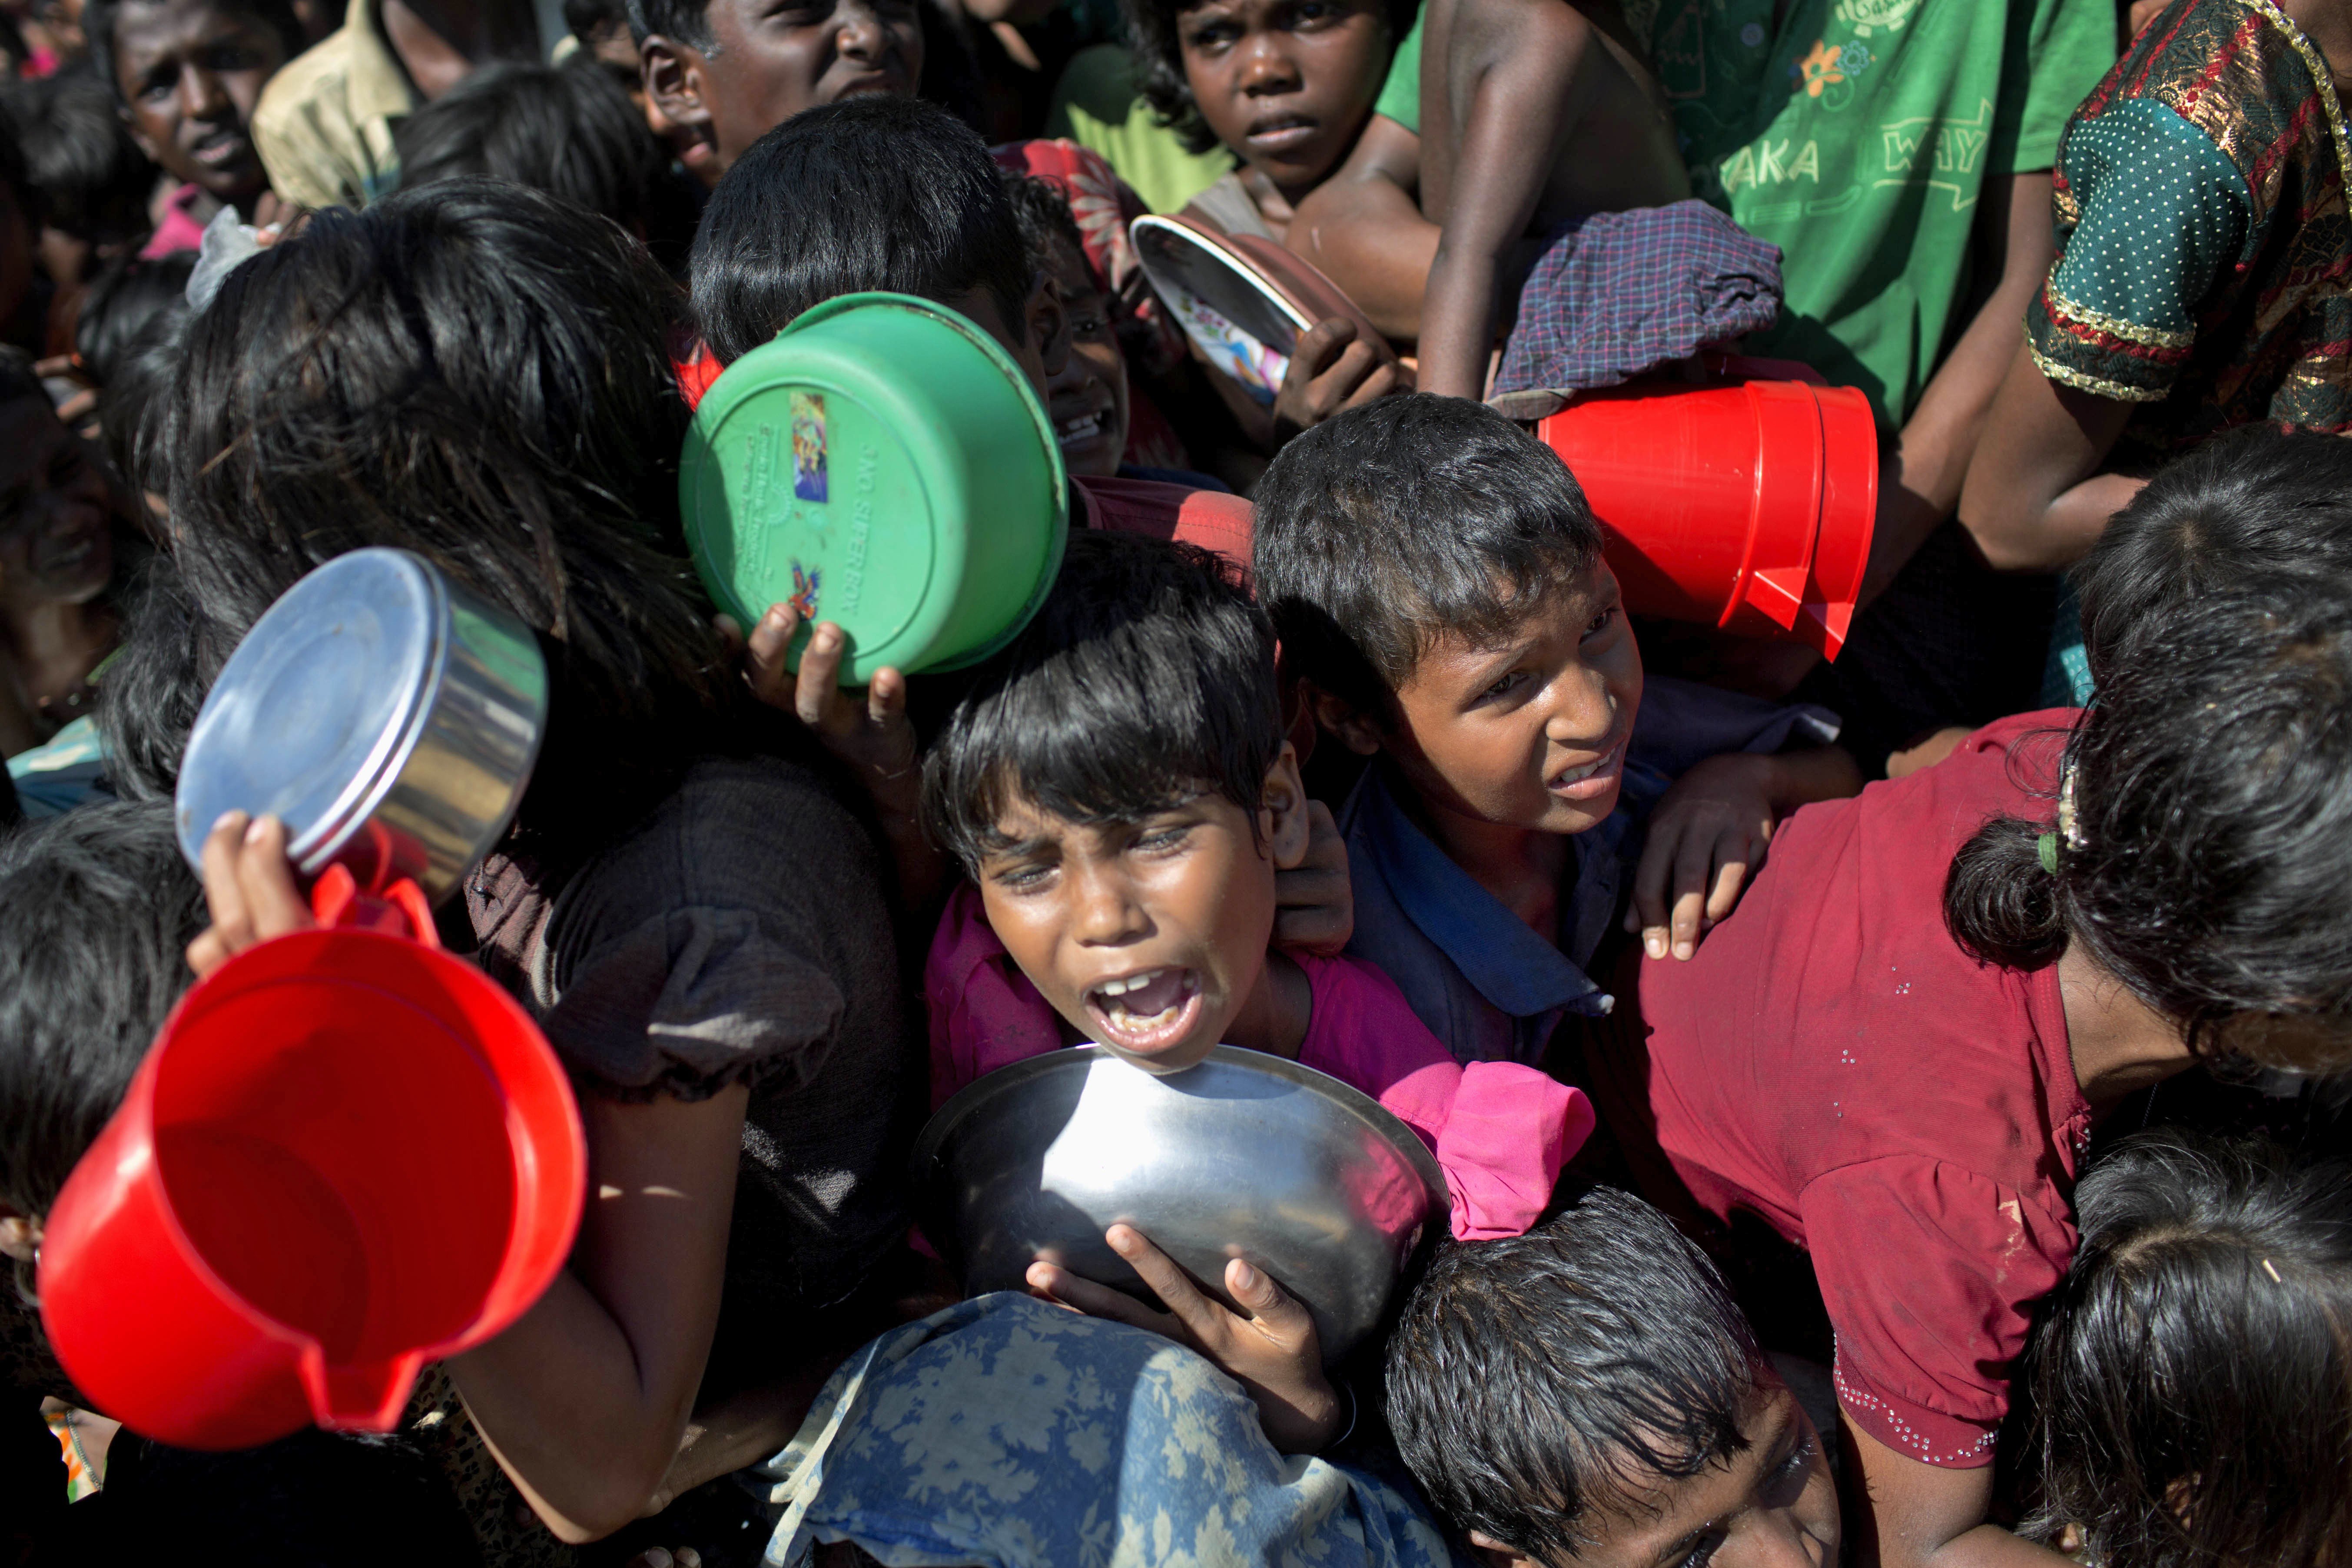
(883,465)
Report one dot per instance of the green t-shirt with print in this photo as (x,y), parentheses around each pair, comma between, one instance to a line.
(1857,135)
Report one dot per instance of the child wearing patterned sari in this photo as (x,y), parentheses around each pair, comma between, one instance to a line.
(2201,282)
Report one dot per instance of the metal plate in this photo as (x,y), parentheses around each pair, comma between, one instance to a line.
(1245,1155)
(315,712)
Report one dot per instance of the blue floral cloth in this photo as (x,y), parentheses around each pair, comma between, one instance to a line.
(1006,1433)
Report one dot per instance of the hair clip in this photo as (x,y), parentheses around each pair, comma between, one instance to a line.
(2066,816)
(2048,849)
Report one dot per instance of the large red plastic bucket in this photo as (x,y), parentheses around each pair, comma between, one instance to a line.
(1749,507)
(346,1154)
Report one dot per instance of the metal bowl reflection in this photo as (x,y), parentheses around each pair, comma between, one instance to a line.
(1246,1155)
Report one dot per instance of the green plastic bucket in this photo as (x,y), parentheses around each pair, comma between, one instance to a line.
(884,465)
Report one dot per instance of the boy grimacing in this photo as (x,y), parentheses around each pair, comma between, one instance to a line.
(1437,581)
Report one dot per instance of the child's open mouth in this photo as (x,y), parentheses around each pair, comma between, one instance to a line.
(1591,779)
(1145,1012)
(1085,428)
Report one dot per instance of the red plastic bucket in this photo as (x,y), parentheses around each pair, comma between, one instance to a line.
(1749,507)
(346,1154)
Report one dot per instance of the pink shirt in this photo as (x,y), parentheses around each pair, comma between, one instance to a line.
(177,231)
(1500,1131)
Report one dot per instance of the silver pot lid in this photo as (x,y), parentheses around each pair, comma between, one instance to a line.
(316,713)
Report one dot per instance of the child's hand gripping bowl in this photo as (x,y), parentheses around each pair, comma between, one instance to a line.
(1272,1352)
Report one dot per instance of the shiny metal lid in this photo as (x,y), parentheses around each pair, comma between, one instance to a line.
(317,710)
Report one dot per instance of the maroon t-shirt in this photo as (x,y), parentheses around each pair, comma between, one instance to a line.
(1833,1062)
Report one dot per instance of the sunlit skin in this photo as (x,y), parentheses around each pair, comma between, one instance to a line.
(189,75)
(1149,936)
(1286,84)
(772,60)
(1511,746)
(1087,400)
(1771,1505)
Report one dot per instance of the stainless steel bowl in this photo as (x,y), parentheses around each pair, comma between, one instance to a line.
(386,715)
(1246,1155)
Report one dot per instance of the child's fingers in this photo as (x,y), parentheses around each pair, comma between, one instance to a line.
(1095,1301)
(1696,857)
(1320,345)
(763,655)
(224,894)
(816,697)
(886,697)
(1650,877)
(1731,874)
(1185,1301)
(1383,380)
(273,903)
(730,637)
(1279,1315)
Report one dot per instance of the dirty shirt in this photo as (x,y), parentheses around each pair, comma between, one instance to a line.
(1857,135)
(1832,1063)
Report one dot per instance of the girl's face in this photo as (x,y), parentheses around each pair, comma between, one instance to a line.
(1149,936)
(190,75)
(1087,400)
(1286,84)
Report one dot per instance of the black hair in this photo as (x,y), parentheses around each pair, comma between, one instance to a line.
(152,686)
(96,909)
(475,372)
(128,340)
(686,22)
(135,300)
(1535,1378)
(1145,681)
(584,19)
(99,17)
(1045,217)
(2258,501)
(870,193)
(1152,33)
(2189,1382)
(2212,832)
(567,129)
(94,181)
(1389,524)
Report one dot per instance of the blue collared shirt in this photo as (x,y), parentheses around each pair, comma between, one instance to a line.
(1482,980)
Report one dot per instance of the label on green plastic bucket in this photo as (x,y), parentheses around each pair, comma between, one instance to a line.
(882,463)
(819,494)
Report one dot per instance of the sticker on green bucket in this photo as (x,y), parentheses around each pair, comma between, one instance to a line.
(882,465)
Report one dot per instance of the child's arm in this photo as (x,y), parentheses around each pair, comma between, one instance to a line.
(1521,108)
(1708,833)
(870,731)
(1272,1353)
(2034,500)
(1921,483)
(585,1399)
(1915,1515)
(1363,227)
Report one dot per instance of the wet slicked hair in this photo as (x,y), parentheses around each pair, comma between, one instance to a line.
(1536,1378)
(1145,681)
(1382,528)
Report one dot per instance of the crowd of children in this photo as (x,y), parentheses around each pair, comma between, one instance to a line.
(1890,1108)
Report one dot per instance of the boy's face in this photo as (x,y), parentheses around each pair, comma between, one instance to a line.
(190,75)
(1087,400)
(774,59)
(1528,731)
(1772,1505)
(53,544)
(1286,84)
(1149,936)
